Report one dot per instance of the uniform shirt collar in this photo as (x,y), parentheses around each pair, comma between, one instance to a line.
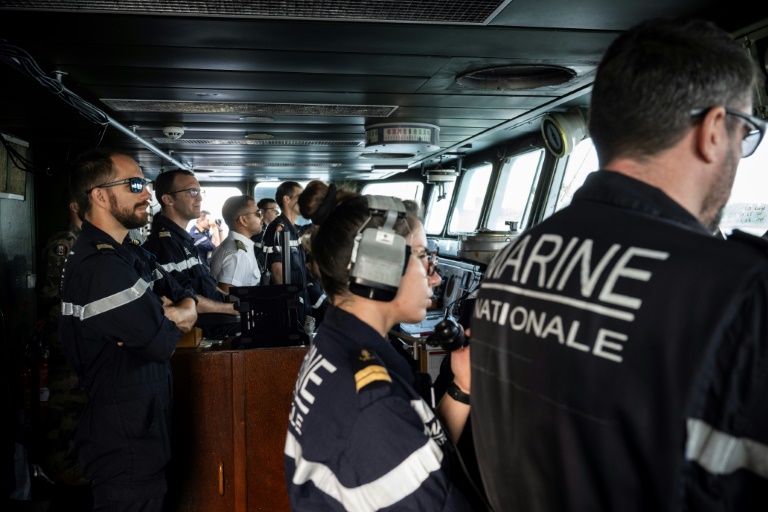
(364,336)
(617,189)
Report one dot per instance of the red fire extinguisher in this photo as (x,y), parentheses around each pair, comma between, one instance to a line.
(42,386)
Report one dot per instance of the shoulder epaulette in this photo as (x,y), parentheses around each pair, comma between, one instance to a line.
(134,241)
(240,245)
(369,371)
(103,246)
(164,233)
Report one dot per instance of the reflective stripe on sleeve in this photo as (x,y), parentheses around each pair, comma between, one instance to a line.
(201,240)
(182,265)
(319,302)
(399,483)
(107,303)
(723,454)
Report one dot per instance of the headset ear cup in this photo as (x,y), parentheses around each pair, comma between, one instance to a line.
(376,264)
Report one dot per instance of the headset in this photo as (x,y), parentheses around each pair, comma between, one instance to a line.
(379,255)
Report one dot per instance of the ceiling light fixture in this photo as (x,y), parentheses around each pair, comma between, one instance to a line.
(259,136)
(257,119)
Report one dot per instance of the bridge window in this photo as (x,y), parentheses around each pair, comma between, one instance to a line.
(404,190)
(469,202)
(437,208)
(747,208)
(213,199)
(514,192)
(581,162)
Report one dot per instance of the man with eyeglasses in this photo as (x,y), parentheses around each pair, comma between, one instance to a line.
(270,212)
(619,349)
(119,327)
(178,193)
(233,262)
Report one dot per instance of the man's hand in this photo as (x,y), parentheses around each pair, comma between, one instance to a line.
(182,313)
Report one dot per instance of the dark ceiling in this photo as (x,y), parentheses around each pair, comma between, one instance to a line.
(305,78)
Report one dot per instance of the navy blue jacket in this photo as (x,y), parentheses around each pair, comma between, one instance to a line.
(360,437)
(123,436)
(620,360)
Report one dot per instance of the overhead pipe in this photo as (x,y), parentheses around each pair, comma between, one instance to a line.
(147,144)
(24,63)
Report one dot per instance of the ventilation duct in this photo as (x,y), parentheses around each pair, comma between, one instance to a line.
(515,78)
(419,11)
(245,109)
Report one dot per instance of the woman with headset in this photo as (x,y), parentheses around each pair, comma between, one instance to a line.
(360,437)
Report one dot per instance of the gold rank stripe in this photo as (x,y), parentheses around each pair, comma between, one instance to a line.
(371,374)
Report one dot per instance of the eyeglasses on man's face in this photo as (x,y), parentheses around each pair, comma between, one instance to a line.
(430,257)
(756,129)
(258,213)
(136,184)
(192,192)
(277,210)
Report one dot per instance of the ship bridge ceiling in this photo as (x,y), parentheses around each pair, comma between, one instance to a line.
(332,90)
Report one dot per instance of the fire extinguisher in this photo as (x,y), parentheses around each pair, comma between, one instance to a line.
(42,385)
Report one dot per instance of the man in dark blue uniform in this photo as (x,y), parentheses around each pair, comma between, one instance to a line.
(270,211)
(619,349)
(287,196)
(178,193)
(205,232)
(119,336)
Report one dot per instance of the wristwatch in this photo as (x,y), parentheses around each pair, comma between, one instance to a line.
(457,394)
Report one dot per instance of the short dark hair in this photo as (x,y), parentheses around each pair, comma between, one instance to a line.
(284,189)
(264,202)
(164,183)
(653,75)
(89,170)
(233,208)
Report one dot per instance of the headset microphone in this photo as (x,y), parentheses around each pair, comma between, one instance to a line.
(447,335)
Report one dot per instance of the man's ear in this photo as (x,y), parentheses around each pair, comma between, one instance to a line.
(168,201)
(712,134)
(99,197)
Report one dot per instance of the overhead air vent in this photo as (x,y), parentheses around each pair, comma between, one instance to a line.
(515,78)
(400,140)
(258,109)
(387,155)
(259,142)
(421,11)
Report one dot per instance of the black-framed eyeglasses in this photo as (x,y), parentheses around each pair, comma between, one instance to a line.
(431,257)
(193,192)
(258,213)
(756,129)
(136,184)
